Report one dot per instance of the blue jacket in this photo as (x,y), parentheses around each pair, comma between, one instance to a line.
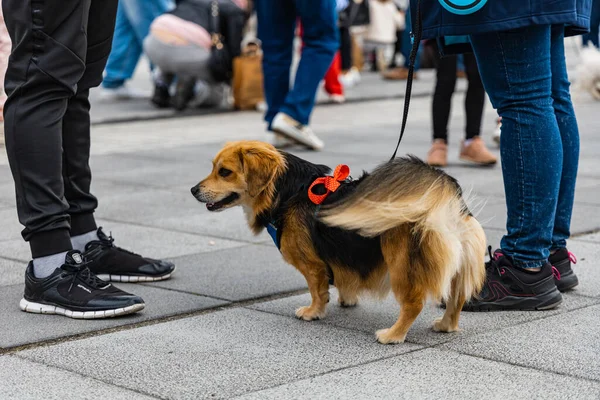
(499,15)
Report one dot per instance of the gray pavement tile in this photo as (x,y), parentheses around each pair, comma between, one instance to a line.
(11,228)
(493,215)
(22,379)
(11,272)
(586,268)
(371,315)
(151,242)
(235,274)
(19,328)
(217,355)
(567,344)
(230,224)
(434,374)
(592,237)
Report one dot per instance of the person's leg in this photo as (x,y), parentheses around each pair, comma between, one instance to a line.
(42,75)
(442,96)
(276,24)
(320,36)
(520,88)
(569,135)
(475,98)
(332,79)
(125,53)
(345,49)
(4,54)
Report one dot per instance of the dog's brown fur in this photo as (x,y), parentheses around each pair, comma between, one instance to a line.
(430,245)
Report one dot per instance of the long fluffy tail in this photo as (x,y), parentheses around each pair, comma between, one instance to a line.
(402,191)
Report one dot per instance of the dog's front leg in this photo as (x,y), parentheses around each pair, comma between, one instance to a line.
(318,285)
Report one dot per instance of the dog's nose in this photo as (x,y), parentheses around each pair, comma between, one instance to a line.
(195,190)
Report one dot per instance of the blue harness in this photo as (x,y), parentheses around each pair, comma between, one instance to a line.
(275,235)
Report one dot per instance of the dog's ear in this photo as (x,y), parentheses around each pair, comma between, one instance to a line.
(260,166)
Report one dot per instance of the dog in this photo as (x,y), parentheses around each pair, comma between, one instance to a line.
(405,227)
(587,74)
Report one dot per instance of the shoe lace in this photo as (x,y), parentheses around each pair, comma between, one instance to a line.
(108,242)
(83,273)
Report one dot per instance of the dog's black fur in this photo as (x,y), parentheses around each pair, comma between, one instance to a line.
(334,245)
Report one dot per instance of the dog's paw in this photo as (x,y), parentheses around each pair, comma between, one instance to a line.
(347,303)
(308,313)
(385,336)
(440,326)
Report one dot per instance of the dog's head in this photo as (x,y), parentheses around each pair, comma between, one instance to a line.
(243,174)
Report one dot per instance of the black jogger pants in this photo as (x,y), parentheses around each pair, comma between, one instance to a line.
(59,52)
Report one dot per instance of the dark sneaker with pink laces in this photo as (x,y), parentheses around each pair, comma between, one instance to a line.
(508,287)
(561,260)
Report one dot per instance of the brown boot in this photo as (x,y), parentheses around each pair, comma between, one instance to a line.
(438,154)
(477,153)
(398,74)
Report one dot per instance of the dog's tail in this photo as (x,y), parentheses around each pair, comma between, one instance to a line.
(405,190)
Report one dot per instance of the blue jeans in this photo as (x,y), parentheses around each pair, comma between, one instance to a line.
(594,34)
(407,44)
(540,139)
(133,25)
(276,25)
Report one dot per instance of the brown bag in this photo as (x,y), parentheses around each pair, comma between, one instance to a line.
(248,80)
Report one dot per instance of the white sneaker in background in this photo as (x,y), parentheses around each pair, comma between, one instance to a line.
(337,98)
(122,93)
(281,142)
(350,78)
(294,130)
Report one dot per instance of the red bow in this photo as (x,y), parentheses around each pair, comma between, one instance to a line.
(332,183)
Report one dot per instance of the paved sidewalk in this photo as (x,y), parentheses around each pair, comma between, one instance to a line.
(224,326)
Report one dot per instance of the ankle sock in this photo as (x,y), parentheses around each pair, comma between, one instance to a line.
(43,267)
(80,241)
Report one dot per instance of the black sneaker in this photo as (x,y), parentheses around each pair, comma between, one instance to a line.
(112,263)
(161,97)
(73,291)
(507,287)
(566,278)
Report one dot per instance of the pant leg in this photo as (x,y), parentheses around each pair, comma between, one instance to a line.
(77,176)
(569,134)
(320,36)
(4,53)
(47,62)
(475,98)
(520,88)
(442,96)
(125,53)
(332,77)
(345,49)
(276,24)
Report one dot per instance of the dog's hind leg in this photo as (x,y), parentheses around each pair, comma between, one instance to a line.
(409,293)
(449,322)
(318,285)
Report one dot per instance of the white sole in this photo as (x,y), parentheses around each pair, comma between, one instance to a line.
(290,132)
(133,279)
(38,308)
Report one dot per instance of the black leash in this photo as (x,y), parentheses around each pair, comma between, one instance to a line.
(416,36)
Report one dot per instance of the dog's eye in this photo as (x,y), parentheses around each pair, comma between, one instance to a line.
(224,172)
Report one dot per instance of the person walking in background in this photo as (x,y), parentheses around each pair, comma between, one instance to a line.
(288,110)
(380,39)
(520,52)
(60,49)
(134,18)
(473,148)
(333,86)
(4,54)
(401,73)
(593,36)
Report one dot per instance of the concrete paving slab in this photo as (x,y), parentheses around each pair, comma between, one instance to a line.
(151,242)
(371,315)
(434,374)
(217,355)
(12,272)
(567,344)
(493,215)
(22,379)
(586,268)
(11,228)
(20,328)
(236,274)
(593,238)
